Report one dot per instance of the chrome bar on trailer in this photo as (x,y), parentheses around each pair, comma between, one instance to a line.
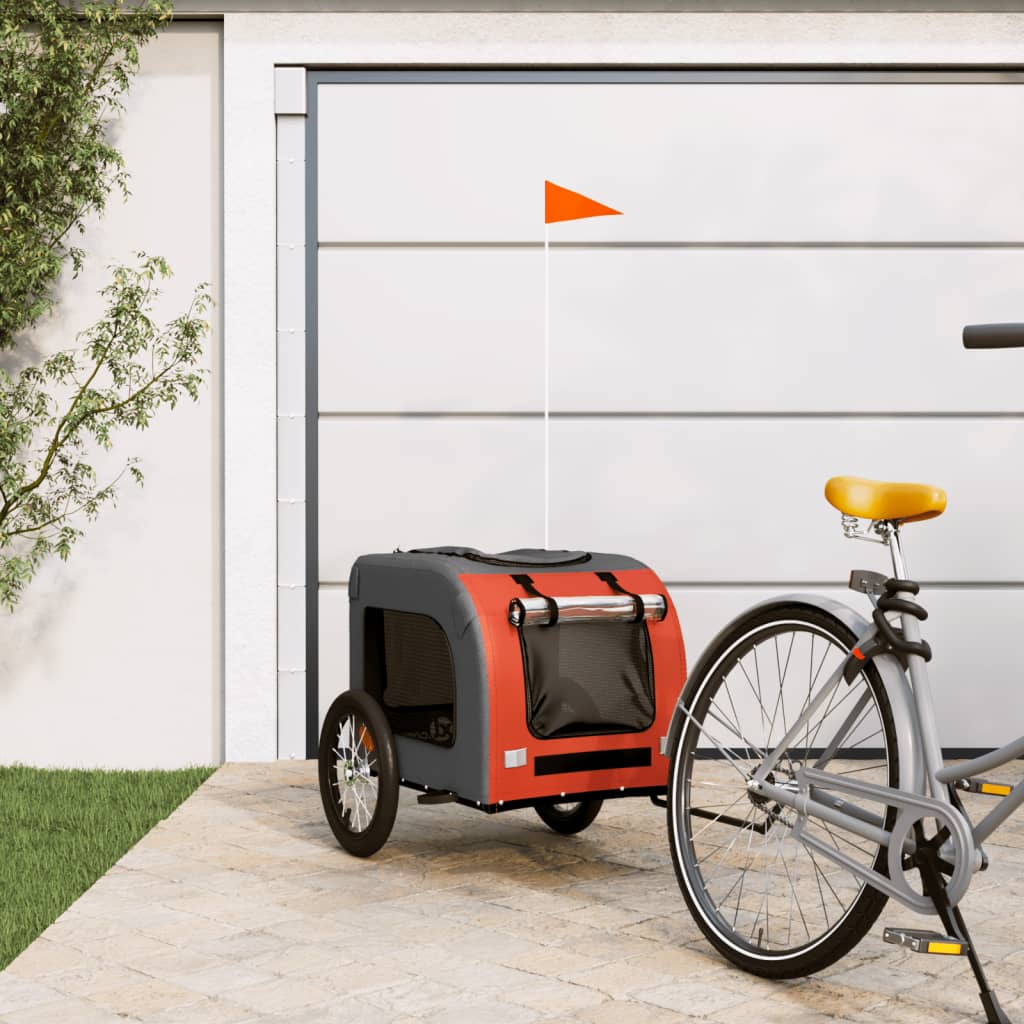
(534,611)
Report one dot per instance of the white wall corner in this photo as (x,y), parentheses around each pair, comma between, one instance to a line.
(289,90)
(291,373)
(290,108)
(250,392)
(291,720)
(291,625)
(291,545)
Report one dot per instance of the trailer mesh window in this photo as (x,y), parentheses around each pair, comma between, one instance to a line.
(415,677)
(588,678)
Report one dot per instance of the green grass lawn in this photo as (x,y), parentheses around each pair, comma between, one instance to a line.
(61,830)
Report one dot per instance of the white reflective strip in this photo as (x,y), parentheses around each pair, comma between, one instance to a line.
(515,758)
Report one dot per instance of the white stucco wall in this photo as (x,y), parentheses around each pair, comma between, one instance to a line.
(114,658)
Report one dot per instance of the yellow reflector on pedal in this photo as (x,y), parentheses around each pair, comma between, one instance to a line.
(948,948)
(995,789)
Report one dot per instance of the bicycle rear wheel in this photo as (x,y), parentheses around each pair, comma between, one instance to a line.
(765,900)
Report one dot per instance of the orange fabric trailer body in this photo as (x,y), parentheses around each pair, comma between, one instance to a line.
(518,677)
(509,729)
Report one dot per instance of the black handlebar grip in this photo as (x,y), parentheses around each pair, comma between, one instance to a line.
(994,336)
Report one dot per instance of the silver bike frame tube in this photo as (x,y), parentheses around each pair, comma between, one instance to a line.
(931,748)
(830,751)
(986,762)
(994,759)
(999,813)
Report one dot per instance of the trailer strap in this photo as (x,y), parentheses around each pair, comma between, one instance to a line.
(638,601)
(526,582)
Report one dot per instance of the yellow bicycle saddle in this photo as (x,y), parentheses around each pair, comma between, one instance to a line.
(874,499)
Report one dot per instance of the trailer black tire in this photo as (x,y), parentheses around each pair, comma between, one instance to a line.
(568,817)
(357,749)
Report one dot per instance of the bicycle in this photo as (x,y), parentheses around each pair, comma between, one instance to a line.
(806,782)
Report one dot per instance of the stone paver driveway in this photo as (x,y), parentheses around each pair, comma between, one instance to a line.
(240,907)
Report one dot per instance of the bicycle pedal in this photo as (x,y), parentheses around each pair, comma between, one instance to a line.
(984,786)
(919,941)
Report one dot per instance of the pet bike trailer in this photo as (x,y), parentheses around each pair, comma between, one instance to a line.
(541,679)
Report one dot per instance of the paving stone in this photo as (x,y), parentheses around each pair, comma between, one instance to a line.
(878,977)
(302,960)
(94,975)
(214,981)
(23,993)
(552,998)
(68,1009)
(44,957)
(777,1010)
(557,963)
(143,997)
(209,1011)
(240,908)
(493,1011)
(692,996)
(417,997)
(620,979)
(128,941)
(641,1013)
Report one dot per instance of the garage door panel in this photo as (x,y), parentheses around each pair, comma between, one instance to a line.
(699,499)
(439,330)
(454,329)
(720,161)
(724,500)
(332,618)
(967,628)
(387,483)
(782,330)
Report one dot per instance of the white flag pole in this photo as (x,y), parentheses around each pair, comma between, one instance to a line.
(547,386)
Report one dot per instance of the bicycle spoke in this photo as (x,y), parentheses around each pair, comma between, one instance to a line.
(718,817)
(775,894)
(818,877)
(354,779)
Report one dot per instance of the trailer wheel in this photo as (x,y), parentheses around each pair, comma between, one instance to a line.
(568,817)
(358,773)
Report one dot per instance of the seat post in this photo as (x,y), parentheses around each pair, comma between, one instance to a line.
(891,532)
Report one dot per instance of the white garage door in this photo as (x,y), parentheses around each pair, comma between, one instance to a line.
(780,302)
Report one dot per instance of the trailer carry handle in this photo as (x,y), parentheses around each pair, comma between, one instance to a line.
(535,611)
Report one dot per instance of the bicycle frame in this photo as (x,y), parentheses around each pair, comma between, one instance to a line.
(925,783)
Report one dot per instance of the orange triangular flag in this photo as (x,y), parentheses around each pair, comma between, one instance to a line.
(564,204)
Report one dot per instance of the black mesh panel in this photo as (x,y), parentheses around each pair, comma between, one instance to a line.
(586,678)
(418,684)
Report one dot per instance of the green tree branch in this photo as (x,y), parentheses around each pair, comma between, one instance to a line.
(126,368)
(64,69)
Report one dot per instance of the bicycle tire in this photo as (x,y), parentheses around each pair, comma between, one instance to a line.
(757,951)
